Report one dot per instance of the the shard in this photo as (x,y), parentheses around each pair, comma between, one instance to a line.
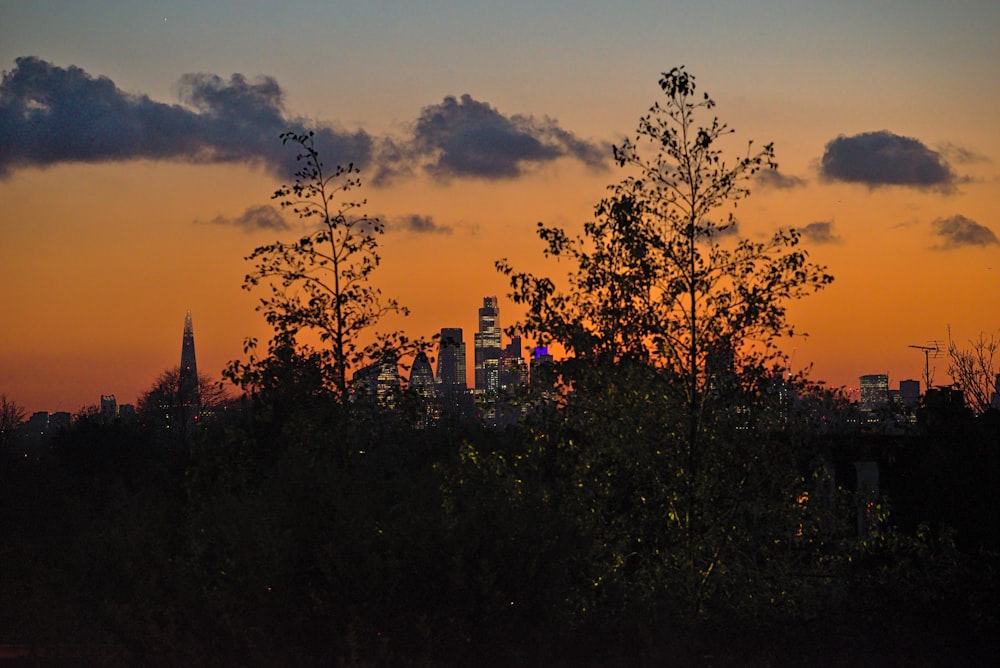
(188,393)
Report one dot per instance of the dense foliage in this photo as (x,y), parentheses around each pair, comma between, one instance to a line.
(674,382)
(315,533)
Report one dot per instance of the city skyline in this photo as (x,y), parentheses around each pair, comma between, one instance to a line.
(496,367)
(883,121)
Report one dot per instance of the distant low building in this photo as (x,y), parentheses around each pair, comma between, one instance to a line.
(944,398)
(541,360)
(378,381)
(59,420)
(109,408)
(36,427)
(909,392)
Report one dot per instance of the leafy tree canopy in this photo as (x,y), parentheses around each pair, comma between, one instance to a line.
(321,283)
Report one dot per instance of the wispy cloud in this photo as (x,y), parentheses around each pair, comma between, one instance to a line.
(878,159)
(772,178)
(820,232)
(269,218)
(958,232)
(961,155)
(417,224)
(255,218)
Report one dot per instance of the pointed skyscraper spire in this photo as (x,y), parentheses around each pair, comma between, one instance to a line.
(187,381)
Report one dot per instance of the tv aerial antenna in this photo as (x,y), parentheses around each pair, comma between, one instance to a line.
(931,351)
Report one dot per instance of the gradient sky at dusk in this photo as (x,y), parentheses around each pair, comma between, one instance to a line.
(138,152)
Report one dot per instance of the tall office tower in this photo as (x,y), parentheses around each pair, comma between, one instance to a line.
(188,394)
(513,370)
(451,361)
(487,346)
(874,391)
(421,376)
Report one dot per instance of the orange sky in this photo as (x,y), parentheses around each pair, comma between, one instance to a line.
(102,258)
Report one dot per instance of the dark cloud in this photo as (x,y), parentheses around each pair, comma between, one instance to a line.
(772,178)
(882,158)
(820,232)
(468,138)
(419,225)
(51,115)
(958,231)
(264,217)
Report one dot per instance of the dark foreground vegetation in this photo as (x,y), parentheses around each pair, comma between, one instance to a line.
(665,494)
(304,532)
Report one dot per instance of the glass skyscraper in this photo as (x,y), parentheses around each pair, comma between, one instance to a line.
(451,361)
(874,391)
(488,348)
(421,376)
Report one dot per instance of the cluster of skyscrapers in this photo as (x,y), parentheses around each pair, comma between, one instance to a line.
(497,367)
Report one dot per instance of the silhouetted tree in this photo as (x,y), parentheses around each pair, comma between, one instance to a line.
(975,370)
(661,275)
(12,414)
(674,387)
(321,282)
(162,405)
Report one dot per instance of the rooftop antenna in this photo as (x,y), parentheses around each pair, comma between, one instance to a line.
(932,350)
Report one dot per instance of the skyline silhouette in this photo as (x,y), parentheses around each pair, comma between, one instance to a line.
(456,356)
